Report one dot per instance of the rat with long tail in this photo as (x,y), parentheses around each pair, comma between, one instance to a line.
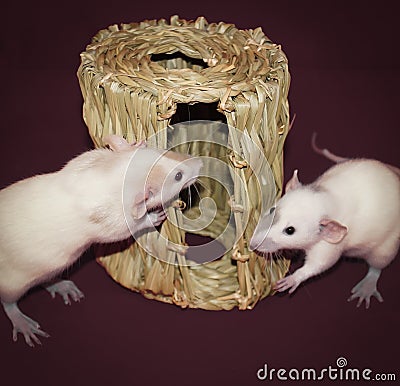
(353,209)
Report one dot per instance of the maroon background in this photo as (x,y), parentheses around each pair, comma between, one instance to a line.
(344,62)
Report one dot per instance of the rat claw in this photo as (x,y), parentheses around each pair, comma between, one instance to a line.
(366,298)
(30,337)
(280,286)
(378,296)
(287,283)
(140,144)
(293,288)
(158,216)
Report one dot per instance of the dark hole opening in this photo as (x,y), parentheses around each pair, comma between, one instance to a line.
(197,111)
(210,249)
(178,60)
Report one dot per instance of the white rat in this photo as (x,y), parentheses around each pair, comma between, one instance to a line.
(48,221)
(353,209)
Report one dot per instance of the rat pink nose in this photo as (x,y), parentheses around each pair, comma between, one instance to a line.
(264,245)
(255,243)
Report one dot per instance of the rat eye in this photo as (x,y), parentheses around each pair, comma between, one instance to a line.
(178,176)
(289,231)
(272,210)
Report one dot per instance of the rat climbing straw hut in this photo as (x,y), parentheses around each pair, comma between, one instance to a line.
(134,77)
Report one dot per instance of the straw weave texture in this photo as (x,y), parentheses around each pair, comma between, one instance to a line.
(132,77)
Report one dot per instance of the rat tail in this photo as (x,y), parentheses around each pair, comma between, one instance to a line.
(325,152)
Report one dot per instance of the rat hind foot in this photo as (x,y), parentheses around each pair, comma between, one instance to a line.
(366,288)
(67,289)
(23,324)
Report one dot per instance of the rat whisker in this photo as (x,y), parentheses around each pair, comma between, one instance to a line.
(188,148)
(203,185)
(195,187)
(189,197)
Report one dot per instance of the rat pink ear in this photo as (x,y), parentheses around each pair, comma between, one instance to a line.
(139,208)
(332,231)
(116,142)
(293,183)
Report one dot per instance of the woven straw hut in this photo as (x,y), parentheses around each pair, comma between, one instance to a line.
(134,78)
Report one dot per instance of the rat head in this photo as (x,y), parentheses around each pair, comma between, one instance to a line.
(298,221)
(153,177)
(168,174)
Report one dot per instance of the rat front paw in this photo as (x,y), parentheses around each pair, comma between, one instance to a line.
(67,289)
(287,283)
(157,217)
(150,220)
